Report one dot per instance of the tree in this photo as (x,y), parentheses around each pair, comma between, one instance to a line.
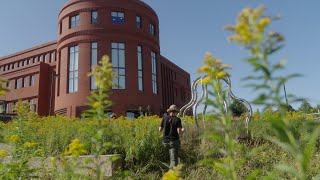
(306,107)
(237,108)
(290,108)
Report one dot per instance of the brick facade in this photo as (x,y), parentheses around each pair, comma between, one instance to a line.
(48,64)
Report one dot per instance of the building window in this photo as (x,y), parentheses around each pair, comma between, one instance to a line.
(32,105)
(18,83)
(152,30)
(94,62)
(52,57)
(9,84)
(94,17)
(74,21)
(32,80)
(119,65)
(40,58)
(130,114)
(138,21)
(140,68)
(154,73)
(45,58)
(117,17)
(25,82)
(61,27)
(73,69)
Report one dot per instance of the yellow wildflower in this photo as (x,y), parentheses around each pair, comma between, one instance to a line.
(39,152)
(263,23)
(3,152)
(14,138)
(30,144)
(213,68)
(173,174)
(53,161)
(76,148)
(96,104)
(250,27)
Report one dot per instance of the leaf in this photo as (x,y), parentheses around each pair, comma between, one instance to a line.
(284,145)
(252,78)
(252,60)
(287,169)
(264,69)
(275,49)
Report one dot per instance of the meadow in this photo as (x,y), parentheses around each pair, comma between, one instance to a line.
(139,143)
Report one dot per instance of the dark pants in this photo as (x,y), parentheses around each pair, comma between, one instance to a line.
(174,147)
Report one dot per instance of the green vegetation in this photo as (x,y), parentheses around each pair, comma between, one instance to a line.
(139,142)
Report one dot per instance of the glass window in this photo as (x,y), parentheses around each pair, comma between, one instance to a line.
(61,27)
(40,58)
(152,30)
(25,82)
(154,73)
(18,83)
(74,21)
(51,57)
(9,84)
(140,69)
(117,17)
(94,17)
(138,22)
(45,58)
(32,80)
(94,62)
(73,69)
(119,65)
(130,115)
(32,105)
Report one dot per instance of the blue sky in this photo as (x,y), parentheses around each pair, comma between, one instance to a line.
(188,29)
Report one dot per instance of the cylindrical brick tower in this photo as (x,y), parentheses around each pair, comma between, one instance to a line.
(125,30)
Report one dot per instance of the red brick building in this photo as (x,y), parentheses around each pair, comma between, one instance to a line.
(53,77)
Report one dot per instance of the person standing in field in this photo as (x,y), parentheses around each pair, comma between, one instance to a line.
(172,129)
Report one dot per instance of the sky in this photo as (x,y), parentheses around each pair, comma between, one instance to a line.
(189,29)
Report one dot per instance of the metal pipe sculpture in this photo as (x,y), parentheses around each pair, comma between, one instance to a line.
(194,102)
(205,106)
(243,101)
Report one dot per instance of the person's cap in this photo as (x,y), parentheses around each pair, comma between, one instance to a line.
(173,108)
(112,115)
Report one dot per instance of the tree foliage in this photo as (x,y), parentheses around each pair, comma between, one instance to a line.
(306,107)
(237,108)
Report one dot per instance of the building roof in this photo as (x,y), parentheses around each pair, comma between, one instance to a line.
(28,50)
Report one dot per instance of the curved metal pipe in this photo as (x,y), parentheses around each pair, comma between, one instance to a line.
(205,106)
(195,116)
(243,101)
(192,97)
(195,98)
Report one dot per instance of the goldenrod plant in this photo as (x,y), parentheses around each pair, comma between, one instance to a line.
(173,174)
(3,87)
(215,71)
(99,100)
(252,33)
